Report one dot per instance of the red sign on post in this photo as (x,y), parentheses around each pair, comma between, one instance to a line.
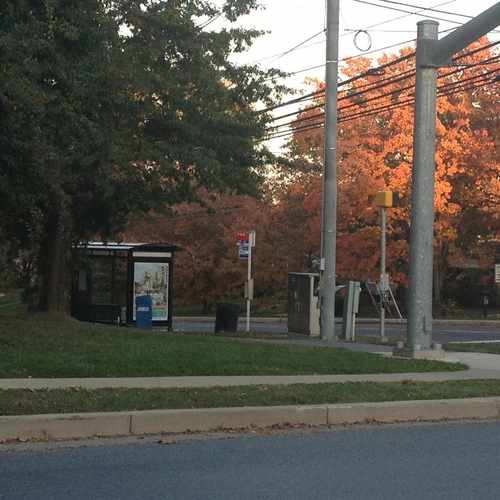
(243,246)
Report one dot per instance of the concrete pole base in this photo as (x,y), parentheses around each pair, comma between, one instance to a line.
(404,351)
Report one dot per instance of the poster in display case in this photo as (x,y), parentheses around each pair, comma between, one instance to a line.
(151,278)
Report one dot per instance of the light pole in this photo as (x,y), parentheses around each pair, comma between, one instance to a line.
(431,55)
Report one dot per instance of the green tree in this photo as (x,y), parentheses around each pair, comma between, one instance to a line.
(110,107)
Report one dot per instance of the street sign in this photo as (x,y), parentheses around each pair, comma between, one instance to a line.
(243,250)
(246,241)
(497,273)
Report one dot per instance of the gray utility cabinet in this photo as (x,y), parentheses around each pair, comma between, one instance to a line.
(303,310)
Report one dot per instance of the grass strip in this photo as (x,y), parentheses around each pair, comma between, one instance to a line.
(491,348)
(26,402)
(42,346)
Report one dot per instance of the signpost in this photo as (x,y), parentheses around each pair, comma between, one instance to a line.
(384,200)
(246,241)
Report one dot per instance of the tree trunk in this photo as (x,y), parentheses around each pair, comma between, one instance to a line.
(53,263)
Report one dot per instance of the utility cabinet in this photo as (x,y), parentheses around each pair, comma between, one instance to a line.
(303,307)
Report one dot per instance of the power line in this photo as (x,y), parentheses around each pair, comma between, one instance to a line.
(279,55)
(431,9)
(416,13)
(377,111)
(382,84)
(349,58)
(398,18)
(398,92)
(345,82)
(367,28)
(450,88)
(375,85)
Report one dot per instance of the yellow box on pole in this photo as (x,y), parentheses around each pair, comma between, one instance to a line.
(384,199)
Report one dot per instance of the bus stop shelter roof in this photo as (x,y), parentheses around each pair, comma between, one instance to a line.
(124,246)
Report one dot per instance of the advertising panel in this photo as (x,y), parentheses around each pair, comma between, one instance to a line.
(151,278)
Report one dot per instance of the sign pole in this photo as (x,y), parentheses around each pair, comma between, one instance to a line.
(249,279)
(383,279)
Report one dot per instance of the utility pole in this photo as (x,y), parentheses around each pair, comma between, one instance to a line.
(431,54)
(422,219)
(329,223)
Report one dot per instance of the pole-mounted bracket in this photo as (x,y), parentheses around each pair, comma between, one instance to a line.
(437,53)
(428,55)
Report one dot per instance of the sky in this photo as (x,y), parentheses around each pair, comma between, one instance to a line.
(290,22)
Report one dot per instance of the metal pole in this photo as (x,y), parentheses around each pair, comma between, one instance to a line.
(249,278)
(329,228)
(422,216)
(383,227)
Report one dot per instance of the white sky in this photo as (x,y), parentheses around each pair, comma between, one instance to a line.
(292,21)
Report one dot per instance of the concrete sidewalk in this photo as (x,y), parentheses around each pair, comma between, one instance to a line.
(481,366)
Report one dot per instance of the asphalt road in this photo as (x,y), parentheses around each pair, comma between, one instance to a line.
(442,333)
(454,462)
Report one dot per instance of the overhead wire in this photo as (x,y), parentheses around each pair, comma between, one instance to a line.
(395,92)
(416,13)
(284,53)
(398,18)
(367,28)
(430,9)
(406,103)
(342,83)
(384,82)
(419,12)
(447,86)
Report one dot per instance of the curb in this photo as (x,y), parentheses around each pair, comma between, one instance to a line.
(136,423)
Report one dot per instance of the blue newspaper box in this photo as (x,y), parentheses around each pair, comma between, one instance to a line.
(143,311)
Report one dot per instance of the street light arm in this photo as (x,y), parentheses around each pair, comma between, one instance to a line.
(439,53)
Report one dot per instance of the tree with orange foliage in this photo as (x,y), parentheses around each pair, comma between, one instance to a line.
(375,153)
(208,269)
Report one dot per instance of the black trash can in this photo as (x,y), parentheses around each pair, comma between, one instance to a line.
(226,318)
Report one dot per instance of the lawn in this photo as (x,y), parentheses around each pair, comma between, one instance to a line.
(40,346)
(24,402)
(490,347)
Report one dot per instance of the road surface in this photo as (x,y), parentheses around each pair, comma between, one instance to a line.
(454,462)
(442,333)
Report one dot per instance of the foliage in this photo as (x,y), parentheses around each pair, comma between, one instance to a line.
(375,153)
(112,107)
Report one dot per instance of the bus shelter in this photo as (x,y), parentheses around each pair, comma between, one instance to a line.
(109,276)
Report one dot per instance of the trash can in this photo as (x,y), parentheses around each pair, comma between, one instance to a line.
(143,311)
(226,318)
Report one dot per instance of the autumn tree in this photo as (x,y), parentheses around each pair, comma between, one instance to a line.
(375,141)
(375,153)
(207,269)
